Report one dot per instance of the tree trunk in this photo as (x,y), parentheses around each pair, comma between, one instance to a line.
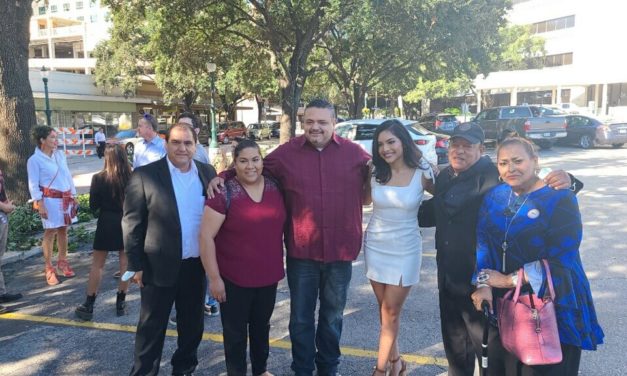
(188,99)
(17,108)
(290,102)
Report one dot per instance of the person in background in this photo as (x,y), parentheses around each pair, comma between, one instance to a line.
(106,195)
(241,246)
(152,148)
(392,243)
(521,223)
(191,119)
(163,208)
(101,141)
(52,189)
(6,208)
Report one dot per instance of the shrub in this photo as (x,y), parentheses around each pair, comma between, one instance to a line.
(25,227)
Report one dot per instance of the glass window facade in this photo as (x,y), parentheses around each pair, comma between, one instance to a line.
(553,24)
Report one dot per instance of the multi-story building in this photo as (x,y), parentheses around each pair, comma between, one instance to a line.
(64,33)
(584,63)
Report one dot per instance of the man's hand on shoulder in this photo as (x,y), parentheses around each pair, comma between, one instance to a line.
(558,179)
(214,186)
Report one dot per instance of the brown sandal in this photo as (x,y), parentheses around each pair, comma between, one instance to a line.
(403,370)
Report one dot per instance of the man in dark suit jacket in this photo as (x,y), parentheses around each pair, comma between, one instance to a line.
(163,208)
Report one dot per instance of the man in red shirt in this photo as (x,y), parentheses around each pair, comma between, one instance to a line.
(323,177)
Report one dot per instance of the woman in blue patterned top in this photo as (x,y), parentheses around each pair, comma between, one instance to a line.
(520,223)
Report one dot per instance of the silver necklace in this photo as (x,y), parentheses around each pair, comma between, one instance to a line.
(508,225)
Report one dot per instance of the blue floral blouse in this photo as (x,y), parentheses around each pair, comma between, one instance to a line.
(545,224)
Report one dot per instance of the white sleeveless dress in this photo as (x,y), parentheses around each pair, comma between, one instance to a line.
(392,242)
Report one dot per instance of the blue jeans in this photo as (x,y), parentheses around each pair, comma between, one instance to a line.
(309,280)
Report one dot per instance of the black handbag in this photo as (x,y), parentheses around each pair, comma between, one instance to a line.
(426,213)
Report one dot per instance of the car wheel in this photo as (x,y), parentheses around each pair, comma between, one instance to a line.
(225,140)
(130,148)
(616,146)
(585,142)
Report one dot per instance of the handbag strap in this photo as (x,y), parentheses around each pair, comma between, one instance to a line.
(549,280)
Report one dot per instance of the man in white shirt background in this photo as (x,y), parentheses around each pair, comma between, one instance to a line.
(101,142)
(152,148)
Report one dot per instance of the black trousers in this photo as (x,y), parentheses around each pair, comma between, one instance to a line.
(156,303)
(100,149)
(462,334)
(569,366)
(246,316)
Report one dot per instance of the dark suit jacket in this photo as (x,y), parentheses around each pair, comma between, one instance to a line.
(151,225)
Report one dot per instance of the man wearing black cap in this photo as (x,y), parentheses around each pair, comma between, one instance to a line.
(459,194)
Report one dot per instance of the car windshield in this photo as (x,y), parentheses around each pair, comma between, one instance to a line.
(417,129)
(126,134)
(447,118)
(515,112)
(365,131)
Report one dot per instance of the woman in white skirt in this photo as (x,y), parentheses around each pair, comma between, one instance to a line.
(392,243)
(52,189)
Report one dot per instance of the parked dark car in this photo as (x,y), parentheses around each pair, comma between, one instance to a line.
(439,122)
(275,129)
(588,132)
(227,131)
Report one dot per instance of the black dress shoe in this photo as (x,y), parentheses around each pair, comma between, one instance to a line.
(6,298)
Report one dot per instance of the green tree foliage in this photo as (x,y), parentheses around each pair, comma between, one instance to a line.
(517,49)
(520,49)
(391,45)
(256,44)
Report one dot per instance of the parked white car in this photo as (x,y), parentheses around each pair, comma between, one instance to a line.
(361,131)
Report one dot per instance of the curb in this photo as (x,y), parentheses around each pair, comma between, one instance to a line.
(15,256)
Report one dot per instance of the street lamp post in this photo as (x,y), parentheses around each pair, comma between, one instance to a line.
(211,67)
(44,76)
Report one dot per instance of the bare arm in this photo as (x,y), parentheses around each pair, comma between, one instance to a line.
(211,223)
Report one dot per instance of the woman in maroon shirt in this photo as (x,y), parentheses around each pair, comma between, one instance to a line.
(241,246)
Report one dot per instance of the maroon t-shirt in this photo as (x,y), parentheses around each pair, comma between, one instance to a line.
(249,245)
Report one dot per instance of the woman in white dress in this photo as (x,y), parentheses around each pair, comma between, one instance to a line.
(52,189)
(393,244)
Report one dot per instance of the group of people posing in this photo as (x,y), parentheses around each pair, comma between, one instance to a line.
(181,227)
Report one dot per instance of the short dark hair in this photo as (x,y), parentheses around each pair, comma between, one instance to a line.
(321,103)
(243,144)
(182,126)
(411,153)
(150,120)
(39,132)
(190,115)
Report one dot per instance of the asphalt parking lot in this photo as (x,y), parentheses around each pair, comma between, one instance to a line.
(43,337)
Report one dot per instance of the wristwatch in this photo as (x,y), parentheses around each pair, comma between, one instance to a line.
(514,278)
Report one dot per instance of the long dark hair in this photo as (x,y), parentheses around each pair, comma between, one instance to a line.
(117,170)
(411,153)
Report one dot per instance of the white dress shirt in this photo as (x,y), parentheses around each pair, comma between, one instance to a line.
(42,170)
(190,204)
(148,152)
(100,137)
